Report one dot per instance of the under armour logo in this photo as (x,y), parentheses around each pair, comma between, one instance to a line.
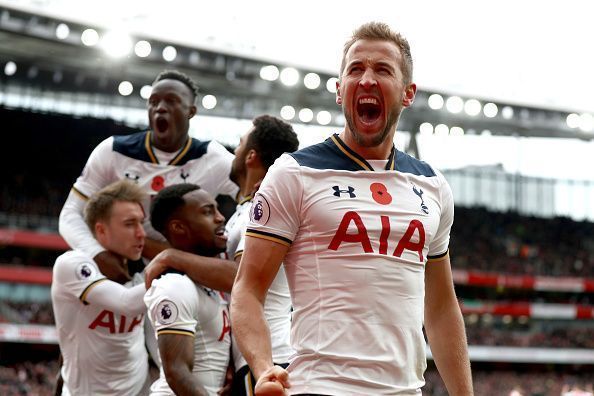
(132,177)
(419,193)
(338,191)
(183,175)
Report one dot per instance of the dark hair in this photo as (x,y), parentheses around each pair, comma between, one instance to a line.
(99,206)
(166,202)
(380,31)
(270,138)
(179,76)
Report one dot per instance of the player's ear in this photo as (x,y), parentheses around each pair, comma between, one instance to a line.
(176,227)
(409,94)
(252,157)
(193,111)
(338,95)
(99,229)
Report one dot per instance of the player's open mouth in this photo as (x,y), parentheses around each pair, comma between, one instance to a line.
(369,109)
(161,124)
(220,232)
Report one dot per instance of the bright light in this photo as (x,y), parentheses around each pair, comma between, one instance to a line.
(435,101)
(125,88)
(490,110)
(10,68)
(507,319)
(305,115)
(324,117)
(145,91)
(209,102)
(442,130)
(472,107)
(269,73)
(289,76)
(426,128)
(169,53)
(507,112)
(89,37)
(454,104)
(456,131)
(486,132)
(194,58)
(287,112)
(586,122)
(142,49)
(573,120)
(312,81)
(116,43)
(331,84)
(62,31)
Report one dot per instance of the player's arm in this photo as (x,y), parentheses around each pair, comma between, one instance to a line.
(115,297)
(211,272)
(259,265)
(153,247)
(177,357)
(445,328)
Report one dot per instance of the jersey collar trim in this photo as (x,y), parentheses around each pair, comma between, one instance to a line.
(182,153)
(245,199)
(149,148)
(358,159)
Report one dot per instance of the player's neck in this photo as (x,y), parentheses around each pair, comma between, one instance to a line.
(251,181)
(379,152)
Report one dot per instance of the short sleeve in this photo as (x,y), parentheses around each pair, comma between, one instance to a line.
(276,207)
(75,274)
(220,165)
(439,245)
(97,172)
(172,304)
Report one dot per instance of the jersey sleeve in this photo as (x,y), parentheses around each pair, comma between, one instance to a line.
(276,207)
(75,275)
(97,172)
(220,165)
(439,245)
(172,303)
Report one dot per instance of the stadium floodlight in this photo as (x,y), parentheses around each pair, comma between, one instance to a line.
(287,112)
(89,37)
(311,81)
(507,112)
(209,102)
(145,91)
(442,130)
(289,76)
(142,49)
(169,53)
(456,131)
(306,115)
(586,122)
(472,107)
(426,128)
(125,88)
(454,104)
(324,117)
(490,110)
(116,43)
(573,120)
(435,101)
(10,68)
(62,31)
(331,84)
(269,73)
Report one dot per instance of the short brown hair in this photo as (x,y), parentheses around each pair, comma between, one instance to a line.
(99,206)
(382,32)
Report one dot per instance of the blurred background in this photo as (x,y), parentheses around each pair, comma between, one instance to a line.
(505,110)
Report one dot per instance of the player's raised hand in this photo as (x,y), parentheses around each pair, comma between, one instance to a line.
(273,382)
(156,267)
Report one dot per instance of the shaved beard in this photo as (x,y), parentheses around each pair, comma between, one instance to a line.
(377,139)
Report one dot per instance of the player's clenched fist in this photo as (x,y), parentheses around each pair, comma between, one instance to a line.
(273,382)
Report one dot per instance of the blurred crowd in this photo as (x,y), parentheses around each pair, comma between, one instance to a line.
(28,379)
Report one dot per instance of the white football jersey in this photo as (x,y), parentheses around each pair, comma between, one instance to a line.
(176,305)
(277,307)
(132,157)
(359,241)
(100,329)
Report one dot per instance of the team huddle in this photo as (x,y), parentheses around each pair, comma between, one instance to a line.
(321,281)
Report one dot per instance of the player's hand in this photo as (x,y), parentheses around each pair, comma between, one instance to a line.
(273,382)
(157,266)
(112,266)
(227,386)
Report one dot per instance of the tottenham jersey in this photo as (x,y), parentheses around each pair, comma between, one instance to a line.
(103,349)
(359,241)
(277,307)
(176,305)
(132,157)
